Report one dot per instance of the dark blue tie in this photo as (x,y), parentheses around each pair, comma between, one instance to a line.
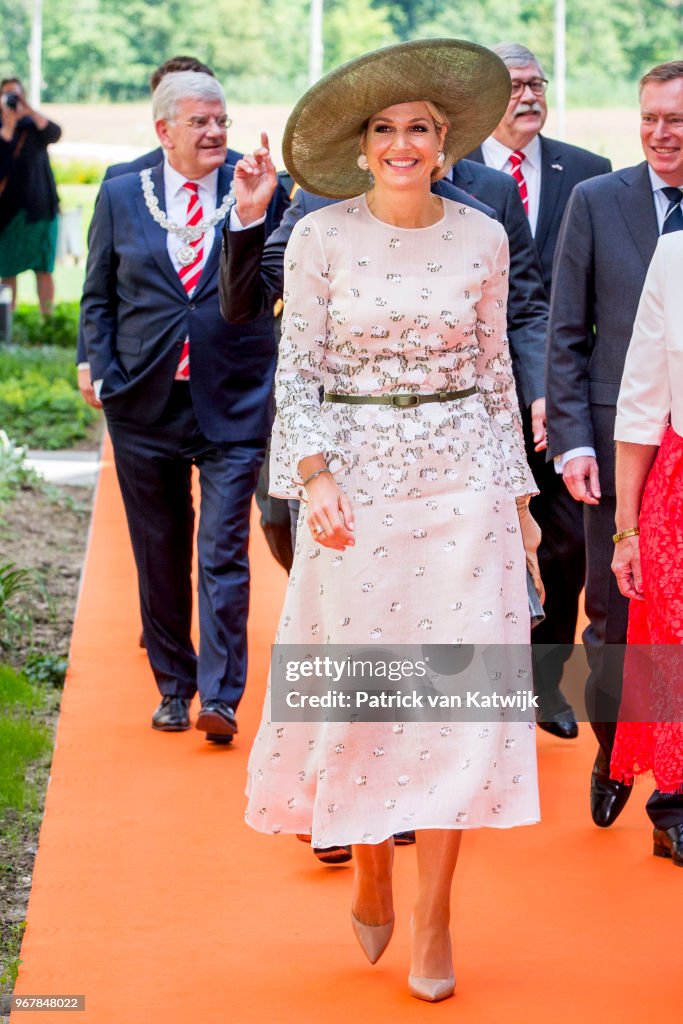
(673,219)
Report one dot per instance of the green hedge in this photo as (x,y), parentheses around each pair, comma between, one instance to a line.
(40,405)
(30,327)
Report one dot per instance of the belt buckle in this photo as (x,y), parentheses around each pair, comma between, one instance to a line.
(405,401)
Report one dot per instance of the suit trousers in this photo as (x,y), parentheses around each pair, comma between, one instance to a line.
(154,467)
(562,561)
(605,639)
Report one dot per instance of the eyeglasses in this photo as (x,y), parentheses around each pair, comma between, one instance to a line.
(200,124)
(537,86)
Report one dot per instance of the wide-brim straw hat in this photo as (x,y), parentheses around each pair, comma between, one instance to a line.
(321,141)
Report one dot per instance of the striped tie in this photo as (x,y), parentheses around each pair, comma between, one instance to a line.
(673,218)
(516,159)
(190,274)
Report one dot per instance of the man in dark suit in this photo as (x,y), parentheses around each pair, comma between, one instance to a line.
(607,240)
(181,388)
(546,171)
(152,159)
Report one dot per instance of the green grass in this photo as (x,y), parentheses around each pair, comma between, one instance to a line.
(23,741)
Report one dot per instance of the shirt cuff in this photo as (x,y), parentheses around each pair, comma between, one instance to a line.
(573,453)
(237,225)
(82,366)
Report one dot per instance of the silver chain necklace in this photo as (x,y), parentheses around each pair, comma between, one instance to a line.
(186,254)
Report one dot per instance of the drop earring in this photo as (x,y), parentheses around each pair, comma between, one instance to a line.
(440,158)
(362,162)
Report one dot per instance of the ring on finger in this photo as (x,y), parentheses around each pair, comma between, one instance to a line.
(318,530)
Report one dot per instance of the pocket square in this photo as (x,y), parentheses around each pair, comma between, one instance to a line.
(557,167)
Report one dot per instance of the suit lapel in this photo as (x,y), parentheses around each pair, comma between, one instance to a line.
(552,178)
(461,176)
(210,268)
(637,206)
(476,155)
(154,235)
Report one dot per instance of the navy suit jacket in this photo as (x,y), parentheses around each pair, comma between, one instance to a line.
(562,167)
(252,275)
(608,237)
(136,315)
(527,303)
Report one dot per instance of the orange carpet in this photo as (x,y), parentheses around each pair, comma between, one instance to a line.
(155,901)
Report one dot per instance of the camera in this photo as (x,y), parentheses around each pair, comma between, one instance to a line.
(11,100)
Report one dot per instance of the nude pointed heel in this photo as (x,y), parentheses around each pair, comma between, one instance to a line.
(433,990)
(372,938)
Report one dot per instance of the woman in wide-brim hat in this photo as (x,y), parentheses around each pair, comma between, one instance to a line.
(413,470)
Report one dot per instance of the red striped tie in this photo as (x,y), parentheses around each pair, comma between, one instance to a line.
(190,274)
(516,159)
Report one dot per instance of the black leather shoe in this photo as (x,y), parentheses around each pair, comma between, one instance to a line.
(608,798)
(668,842)
(217,717)
(333,854)
(404,838)
(219,739)
(172,715)
(560,723)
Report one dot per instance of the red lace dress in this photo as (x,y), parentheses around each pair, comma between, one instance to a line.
(650,730)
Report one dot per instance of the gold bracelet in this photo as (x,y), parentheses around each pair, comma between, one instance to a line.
(318,472)
(633,531)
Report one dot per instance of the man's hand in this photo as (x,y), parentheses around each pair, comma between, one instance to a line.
(539,424)
(86,389)
(582,479)
(626,567)
(255,182)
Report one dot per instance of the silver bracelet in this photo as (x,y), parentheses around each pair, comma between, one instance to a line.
(318,472)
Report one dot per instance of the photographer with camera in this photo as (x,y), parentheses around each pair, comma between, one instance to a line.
(28,194)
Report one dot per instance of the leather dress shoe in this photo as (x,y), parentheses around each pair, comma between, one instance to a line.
(668,842)
(172,715)
(217,717)
(219,739)
(328,854)
(404,838)
(608,797)
(559,723)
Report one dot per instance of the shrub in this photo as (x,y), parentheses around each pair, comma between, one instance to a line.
(39,398)
(60,328)
(45,670)
(77,172)
(15,475)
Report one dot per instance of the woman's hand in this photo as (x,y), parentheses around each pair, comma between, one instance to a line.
(330,513)
(531,538)
(255,182)
(626,568)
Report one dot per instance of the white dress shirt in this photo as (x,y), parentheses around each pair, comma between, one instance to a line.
(498,156)
(176,208)
(661,202)
(651,391)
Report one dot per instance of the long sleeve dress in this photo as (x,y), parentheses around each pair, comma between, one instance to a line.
(372,309)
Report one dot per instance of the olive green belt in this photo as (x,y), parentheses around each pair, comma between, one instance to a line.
(400,401)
